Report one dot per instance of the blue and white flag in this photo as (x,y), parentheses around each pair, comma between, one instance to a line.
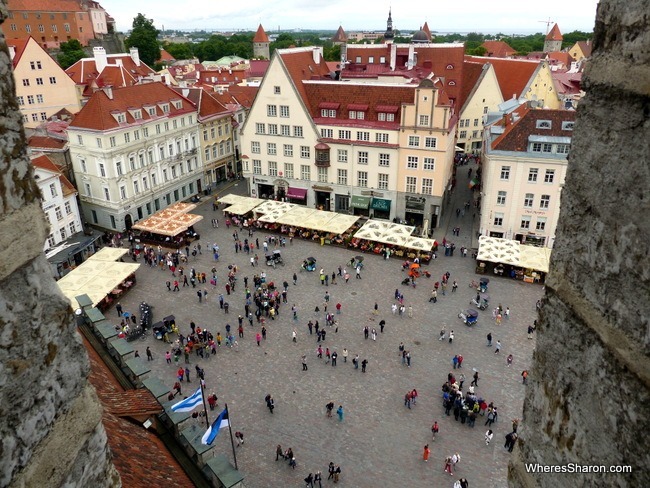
(190,403)
(212,432)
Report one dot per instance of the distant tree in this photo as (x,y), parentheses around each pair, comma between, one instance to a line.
(71,52)
(283,41)
(571,38)
(179,50)
(144,36)
(332,53)
(476,51)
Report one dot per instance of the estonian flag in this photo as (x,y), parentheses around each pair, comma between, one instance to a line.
(220,422)
(190,403)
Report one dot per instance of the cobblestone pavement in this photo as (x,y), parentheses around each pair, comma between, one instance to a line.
(380,441)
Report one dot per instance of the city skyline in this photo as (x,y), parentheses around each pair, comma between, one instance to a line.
(507,16)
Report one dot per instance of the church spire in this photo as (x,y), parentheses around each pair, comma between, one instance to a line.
(389,35)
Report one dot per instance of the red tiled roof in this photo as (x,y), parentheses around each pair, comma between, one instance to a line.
(301,66)
(356,97)
(165,56)
(515,137)
(46,164)
(560,57)
(567,83)
(258,67)
(96,114)
(585,47)
(243,95)
(498,49)
(260,35)
(221,76)
(471,74)
(45,142)
(340,35)
(19,46)
(208,106)
(554,34)
(45,5)
(85,71)
(139,455)
(512,74)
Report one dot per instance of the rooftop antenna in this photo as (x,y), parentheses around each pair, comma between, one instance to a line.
(547,22)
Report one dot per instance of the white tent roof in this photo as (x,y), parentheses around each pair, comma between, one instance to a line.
(108,254)
(506,251)
(537,258)
(243,205)
(385,232)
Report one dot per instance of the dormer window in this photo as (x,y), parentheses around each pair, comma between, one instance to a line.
(137,114)
(328,113)
(543,124)
(177,104)
(567,125)
(151,111)
(356,114)
(452,83)
(120,117)
(164,107)
(450,66)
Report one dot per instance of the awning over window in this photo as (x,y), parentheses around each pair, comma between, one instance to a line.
(389,109)
(381,204)
(358,201)
(297,193)
(329,105)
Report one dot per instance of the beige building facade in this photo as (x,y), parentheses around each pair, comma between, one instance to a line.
(42,87)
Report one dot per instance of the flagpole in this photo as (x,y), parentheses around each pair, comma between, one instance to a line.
(205,410)
(232,442)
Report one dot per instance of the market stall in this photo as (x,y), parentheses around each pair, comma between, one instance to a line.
(396,239)
(510,258)
(170,226)
(102,279)
(243,205)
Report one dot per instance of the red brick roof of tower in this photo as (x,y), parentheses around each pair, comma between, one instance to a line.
(340,35)
(260,35)
(426,30)
(554,34)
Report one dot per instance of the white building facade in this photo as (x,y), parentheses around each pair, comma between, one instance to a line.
(135,150)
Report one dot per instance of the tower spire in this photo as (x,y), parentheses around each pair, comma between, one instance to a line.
(389,35)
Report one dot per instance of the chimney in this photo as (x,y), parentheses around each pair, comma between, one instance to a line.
(108,90)
(411,58)
(185,92)
(393,56)
(135,55)
(12,52)
(101,60)
(317,53)
(506,120)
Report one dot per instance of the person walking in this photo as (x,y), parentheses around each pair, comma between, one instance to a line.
(497,347)
(426,453)
(489,340)
(334,356)
(345,355)
(474,379)
(278,452)
(364,363)
(448,468)
(488,437)
(358,270)
(509,360)
(304,362)
(294,336)
(270,404)
(118,308)
(443,333)
(434,430)
(258,338)
(524,376)
(339,412)
(355,361)
(149,354)
(451,336)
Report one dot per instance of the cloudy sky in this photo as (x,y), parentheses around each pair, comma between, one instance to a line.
(507,16)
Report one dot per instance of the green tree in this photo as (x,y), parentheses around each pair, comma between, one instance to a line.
(283,41)
(144,36)
(179,50)
(71,52)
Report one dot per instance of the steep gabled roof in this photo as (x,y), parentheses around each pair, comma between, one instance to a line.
(244,95)
(97,113)
(19,46)
(512,74)
(300,65)
(471,75)
(165,56)
(340,35)
(45,163)
(497,49)
(85,70)
(517,133)
(560,57)
(260,35)
(585,47)
(554,34)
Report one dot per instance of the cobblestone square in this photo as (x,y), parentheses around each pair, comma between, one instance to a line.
(380,441)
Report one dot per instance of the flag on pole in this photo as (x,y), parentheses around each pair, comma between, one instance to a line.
(190,403)
(212,432)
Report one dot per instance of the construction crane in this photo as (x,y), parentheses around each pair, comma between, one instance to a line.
(547,22)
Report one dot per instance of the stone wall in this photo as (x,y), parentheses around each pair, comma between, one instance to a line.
(588,398)
(50,419)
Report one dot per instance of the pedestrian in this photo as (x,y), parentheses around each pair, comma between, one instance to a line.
(270,404)
(509,360)
(497,347)
(187,374)
(426,453)
(334,356)
(531,329)
(149,354)
(460,362)
(489,339)
(451,337)
(355,361)
(278,452)
(455,361)
(524,376)
(240,438)
(443,333)
(345,355)
(407,400)
(455,459)
(358,270)
(376,310)
(168,357)
(309,480)
(454,287)
(318,477)
(258,338)
(294,335)
(118,308)
(448,468)
(374,334)
(339,412)
(474,379)
(488,437)
(490,418)
(364,363)
(434,430)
